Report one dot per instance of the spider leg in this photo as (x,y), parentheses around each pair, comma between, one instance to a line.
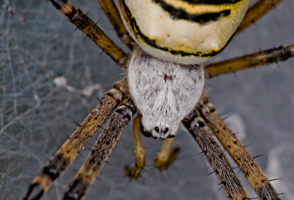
(238,152)
(101,150)
(113,16)
(265,57)
(164,158)
(255,12)
(87,26)
(74,144)
(139,150)
(216,158)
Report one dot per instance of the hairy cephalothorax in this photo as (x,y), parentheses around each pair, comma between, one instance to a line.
(164,92)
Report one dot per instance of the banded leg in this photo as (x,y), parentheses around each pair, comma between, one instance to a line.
(113,16)
(71,148)
(164,157)
(265,57)
(216,158)
(255,12)
(139,150)
(87,26)
(101,151)
(238,152)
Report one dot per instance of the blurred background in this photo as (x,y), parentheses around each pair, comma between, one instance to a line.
(50,76)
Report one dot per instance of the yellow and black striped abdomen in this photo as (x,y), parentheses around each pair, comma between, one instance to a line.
(183,31)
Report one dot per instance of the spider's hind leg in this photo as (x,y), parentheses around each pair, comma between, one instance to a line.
(113,16)
(88,27)
(255,12)
(260,58)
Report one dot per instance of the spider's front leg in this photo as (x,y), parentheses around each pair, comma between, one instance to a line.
(71,148)
(216,157)
(238,152)
(101,150)
(89,28)
(164,157)
(139,150)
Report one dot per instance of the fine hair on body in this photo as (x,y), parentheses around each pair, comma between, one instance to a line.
(164,92)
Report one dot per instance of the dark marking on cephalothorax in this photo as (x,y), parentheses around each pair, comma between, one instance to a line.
(166,77)
(178,107)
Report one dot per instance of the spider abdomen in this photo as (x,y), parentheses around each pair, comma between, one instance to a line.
(182,31)
(164,92)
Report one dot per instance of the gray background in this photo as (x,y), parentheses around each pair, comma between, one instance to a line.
(38,45)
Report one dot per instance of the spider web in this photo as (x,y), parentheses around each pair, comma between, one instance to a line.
(49,77)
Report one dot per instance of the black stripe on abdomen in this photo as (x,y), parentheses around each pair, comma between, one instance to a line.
(152,42)
(203,18)
(211,2)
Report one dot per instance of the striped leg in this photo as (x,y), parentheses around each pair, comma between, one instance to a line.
(71,148)
(265,57)
(87,26)
(238,152)
(217,159)
(113,16)
(101,151)
(255,12)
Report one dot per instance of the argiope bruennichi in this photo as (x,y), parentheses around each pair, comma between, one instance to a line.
(201,14)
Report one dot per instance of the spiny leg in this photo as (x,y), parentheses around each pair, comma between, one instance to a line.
(164,158)
(216,158)
(265,57)
(101,151)
(113,16)
(238,152)
(87,26)
(255,12)
(74,144)
(139,150)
